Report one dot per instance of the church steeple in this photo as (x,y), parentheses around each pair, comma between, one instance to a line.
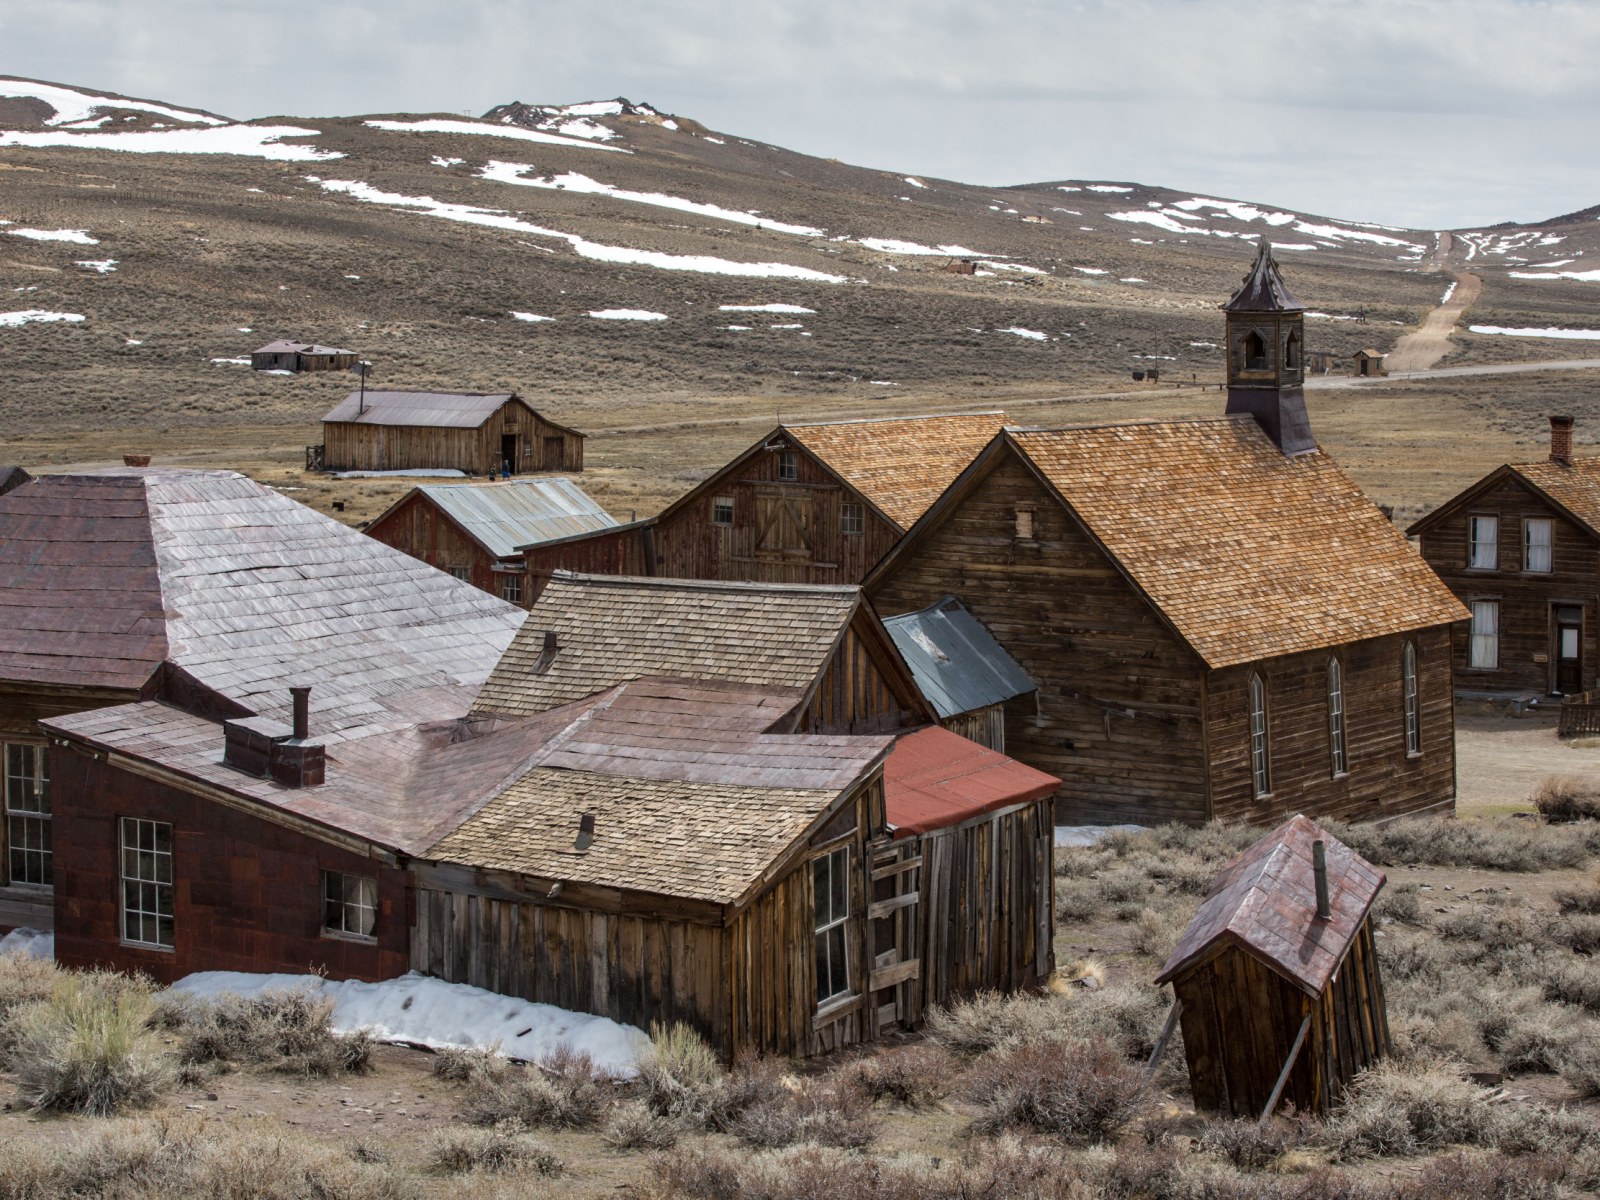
(1266,355)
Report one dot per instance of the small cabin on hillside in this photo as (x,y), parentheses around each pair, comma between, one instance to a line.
(1221,626)
(1371,362)
(480,433)
(1521,549)
(1276,978)
(284,355)
(816,503)
(476,532)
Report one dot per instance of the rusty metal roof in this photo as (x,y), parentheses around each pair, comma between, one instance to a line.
(1265,903)
(441,410)
(934,779)
(106,575)
(955,660)
(506,516)
(1263,289)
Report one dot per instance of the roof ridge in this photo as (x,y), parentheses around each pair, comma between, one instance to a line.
(703,585)
(1154,422)
(985,412)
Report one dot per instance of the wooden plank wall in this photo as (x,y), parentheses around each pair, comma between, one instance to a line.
(986,726)
(1088,639)
(1382,780)
(854,696)
(1527,630)
(608,552)
(420,529)
(353,446)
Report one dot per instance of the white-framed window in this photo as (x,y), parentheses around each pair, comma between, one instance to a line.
(462,573)
(1484,652)
(852,519)
(1413,700)
(1260,752)
(1537,536)
(511,589)
(1336,747)
(722,510)
(349,904)
(1483,543)
(27,803)
(830,894)
(147,917)
(788,465)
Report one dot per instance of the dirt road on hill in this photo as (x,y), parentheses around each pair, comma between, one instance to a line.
(1420,350)
(1382,381)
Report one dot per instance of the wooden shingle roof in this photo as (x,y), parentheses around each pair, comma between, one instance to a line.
(1575,486)
(900,464)
(1246,553)
(611,629)
(1264,902)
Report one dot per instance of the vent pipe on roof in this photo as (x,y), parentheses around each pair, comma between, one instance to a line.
(301,697)
(1561,440)
(1319,868)
(547,654)
(585,831)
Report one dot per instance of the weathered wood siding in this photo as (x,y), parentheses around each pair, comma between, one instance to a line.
(625,550)
(986,726)
(1240,1019)
(420,529)
(1118,711)
(1381,780)
(854,694)
(354,446)
(247,892)
(1527,600)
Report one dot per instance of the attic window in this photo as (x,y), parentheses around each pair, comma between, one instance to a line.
(852,519)
(462,573)
(722,510)
(1024,525)
(788,465)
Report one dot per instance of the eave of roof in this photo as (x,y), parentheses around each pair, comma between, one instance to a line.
(936,779)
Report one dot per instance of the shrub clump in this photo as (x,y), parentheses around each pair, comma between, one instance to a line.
(914,1077)
(1497,844)
(681,1079)
(89,1047)
(1079,1091)
(633,1126)
(471,1064)
(496,1151)
(1562,799)
(1253,1145)
(561,1092)
(288,1032)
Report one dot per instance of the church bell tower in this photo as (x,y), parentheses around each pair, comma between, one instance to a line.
(1267,354)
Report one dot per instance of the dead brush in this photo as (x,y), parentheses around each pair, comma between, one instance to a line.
(633,1126)
(1081,1092)
(24,979)
(992,1019)
(1562,799)
(286,1032)
(502,1150)
(821,1112)
(1253,1145)
(471,1064)
(1494,844)
(914,1077)
(560,1092)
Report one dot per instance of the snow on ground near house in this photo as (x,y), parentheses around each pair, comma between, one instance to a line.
(1088,835)
(232,362)
(1030,334)
(522,316)
(77,236)
(430,1012)
(421,472)
(627,314)
(1581,276)
(29,316)
(244,141)
(34,943)
(487,129)
(497,219)
(895,246)
(506,172)
(1586,335)
(769,308)
(73,106)
(104,265)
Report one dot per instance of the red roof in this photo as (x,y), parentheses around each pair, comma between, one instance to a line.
(934,779)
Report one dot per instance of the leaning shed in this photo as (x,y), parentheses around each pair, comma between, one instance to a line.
(481,433)
(1276,979)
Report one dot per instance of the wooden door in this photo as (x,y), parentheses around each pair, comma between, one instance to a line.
(1569,651)
(894,935)
(783,524)
(553,447)
(508,453)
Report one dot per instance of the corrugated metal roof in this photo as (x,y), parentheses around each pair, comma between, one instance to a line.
(444,410)
(507,516)
(955,660)
(934,779)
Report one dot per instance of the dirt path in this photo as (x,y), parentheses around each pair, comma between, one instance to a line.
(1381,381)
(1419,350)
(1501,760)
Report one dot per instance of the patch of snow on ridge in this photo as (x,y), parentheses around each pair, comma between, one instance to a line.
(591,108)
(1236,210)
(1107,187)
(1586,335)
(1033,335)
(29,316)
(1581,276)
(571,181)
(105,265)
(488,129)
(74,107)
(430,1012)
(77,236)
(243,141)
(582,128)
(497,219)
(766,308)
(627,314)
(914,181)
(526,316)
(895,246)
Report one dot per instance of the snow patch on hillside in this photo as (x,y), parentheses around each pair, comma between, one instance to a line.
(627,314)
(77,236)
(766,308)
(489,129)
(74,107)
(104,266)
(1586,335)
(1198,214)
(243,141)
(527,316)
(1580,276)
(896,246)
(31,316)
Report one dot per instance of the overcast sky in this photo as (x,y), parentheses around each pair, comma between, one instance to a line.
(1410,112)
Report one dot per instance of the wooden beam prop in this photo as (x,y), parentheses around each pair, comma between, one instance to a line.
(1166,1033)
(1283,1075)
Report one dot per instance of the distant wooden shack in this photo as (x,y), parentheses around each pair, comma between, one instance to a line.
(961,266)
(1276,978)
(1370,362)
(481,433)
(282,355)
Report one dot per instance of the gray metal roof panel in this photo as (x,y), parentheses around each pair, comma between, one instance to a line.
(523,512)
(955,660)
(449,410)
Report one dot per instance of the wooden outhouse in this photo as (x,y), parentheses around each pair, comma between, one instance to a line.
(480,433)
(1276,980)
(1370,362)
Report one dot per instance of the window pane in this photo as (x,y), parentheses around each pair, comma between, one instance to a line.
(1484,652)
(1536,535)
(1485,550)
(838,978)
(820,892)
(841,885)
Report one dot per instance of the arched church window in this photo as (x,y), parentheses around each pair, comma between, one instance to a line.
(1255,352)
(1291,353)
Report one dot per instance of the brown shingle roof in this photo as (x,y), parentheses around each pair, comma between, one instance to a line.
(610,629)
(1576,487)
(1247,553)
(1265,902)
(901,464)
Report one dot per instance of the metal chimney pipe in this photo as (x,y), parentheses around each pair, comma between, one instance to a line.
(302,712)
(1319,868)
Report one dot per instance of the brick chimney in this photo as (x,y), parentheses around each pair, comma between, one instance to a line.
(1561,440)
